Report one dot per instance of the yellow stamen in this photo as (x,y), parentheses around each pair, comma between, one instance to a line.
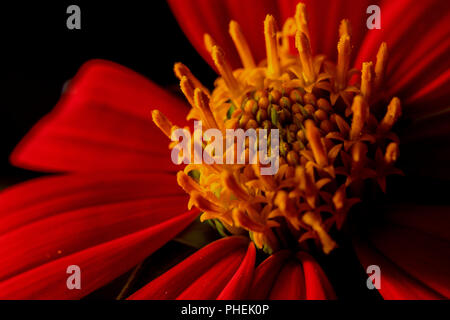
(241,45)
(367,80)
(188,90)
(182,71)
(225,70)
(344,28)
(394,111)
(314,137)
(270,35)
(343,61)
(360,110)
(241,219)
(301,19)
(313,220)
(380,65)
(392,153)
(204,204)
(230,182)
(339,198)
(187,183)
(209,42)
(359,151)
(162,123)
(325,149)
(306,59)
(201,102)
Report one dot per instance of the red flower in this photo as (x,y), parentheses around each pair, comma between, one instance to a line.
(116,199)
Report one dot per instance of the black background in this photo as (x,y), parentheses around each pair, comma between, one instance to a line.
(40,54)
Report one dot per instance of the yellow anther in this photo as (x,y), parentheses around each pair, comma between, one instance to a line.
(344,28)
(201,102)
(360,110)
(204,204)
(314,138)
(343,61)
(241,219)
(231,184)
(306,58)
(313,220)
(394,111)
(392,153)
(182,71)
(380,65)
(225,71)
(187,183)
(162,123)
(209,42)
(339,198)
(270,36)
(188,90)
(301,19)
(241,45)
(359,151)
(367,80)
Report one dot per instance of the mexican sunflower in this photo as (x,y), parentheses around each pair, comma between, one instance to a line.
(346,101)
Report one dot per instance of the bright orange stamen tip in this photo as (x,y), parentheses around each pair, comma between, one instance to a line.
(394,111)
(186,182)
(230,182)
(343,48)
(306,58)
(182,71)
(339,198)
(201,102)
(188,90)
(345,28)
(162,122)
(392,153)
(301,19)
(270,35)
(359,151)
(313,220)
(209,42)
(381,64)
(314,138)
(225,70)
(241,45)
(281,200)
(367,80)
(360,110)
(202,203)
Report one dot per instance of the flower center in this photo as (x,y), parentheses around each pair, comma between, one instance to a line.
(334,136)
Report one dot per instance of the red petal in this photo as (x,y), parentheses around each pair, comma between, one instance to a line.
(50,219)
(102,122)
(324,17)
(287,278)
(417,34)
(203,16)
(290,284)
(416,244)
(266,274)
(396,284)
(316,282)
(203,275)
(44,197)
(237,287)
(99,265)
